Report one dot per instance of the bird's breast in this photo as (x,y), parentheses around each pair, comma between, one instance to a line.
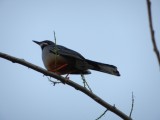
(52,61)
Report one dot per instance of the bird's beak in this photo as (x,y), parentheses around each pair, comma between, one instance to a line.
(36,42)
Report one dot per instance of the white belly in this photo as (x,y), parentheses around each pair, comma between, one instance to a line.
(51,60)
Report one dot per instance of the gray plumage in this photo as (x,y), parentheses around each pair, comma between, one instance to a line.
(76,63)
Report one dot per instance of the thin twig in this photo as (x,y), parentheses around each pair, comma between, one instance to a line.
(55,49)
(102,115)
(68,82)
(152,31)
(53,82)
(85,83)
(55,37)
(132,105)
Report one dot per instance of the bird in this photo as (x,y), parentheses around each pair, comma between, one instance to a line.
(62,60)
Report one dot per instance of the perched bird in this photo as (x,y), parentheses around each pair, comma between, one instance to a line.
(62,60)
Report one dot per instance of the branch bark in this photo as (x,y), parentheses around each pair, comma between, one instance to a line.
(68,82)
(152,31)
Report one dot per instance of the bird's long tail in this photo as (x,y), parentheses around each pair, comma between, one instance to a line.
(106,68)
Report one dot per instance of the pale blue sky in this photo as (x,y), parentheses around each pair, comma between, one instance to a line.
(109,31)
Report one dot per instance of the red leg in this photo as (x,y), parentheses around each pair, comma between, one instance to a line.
(55,70)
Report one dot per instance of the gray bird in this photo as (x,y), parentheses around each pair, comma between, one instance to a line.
(61,60)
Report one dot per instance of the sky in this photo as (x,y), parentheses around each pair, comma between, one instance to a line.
(109,31)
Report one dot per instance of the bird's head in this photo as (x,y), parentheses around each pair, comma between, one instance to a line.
(44,43)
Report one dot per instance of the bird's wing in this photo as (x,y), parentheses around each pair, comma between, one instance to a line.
(80,61)
(61,50)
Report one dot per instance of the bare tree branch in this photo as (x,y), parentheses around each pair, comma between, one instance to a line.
(68,82)
(152,31)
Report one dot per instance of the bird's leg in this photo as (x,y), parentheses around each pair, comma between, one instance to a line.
(69,73)
(66,77)
(59,73)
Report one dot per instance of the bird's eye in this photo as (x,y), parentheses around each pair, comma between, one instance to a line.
(43,44)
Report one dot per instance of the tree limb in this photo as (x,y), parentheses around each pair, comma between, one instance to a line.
(68,82)
(152,31)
